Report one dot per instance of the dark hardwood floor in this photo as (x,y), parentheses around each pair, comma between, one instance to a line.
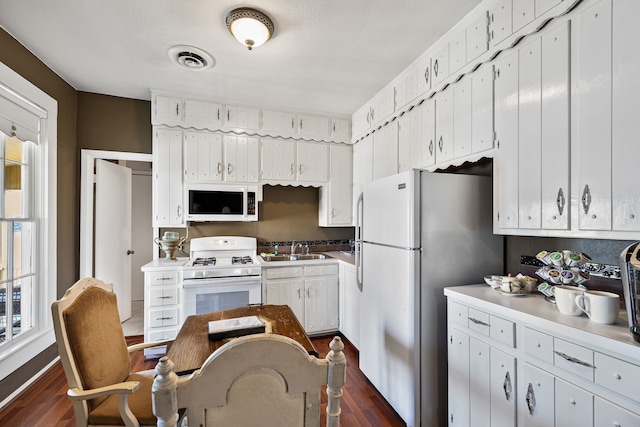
(45,403)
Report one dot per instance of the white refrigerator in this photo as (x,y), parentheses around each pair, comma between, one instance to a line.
(416,233)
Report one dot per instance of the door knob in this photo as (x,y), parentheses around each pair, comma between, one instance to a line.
(130,252)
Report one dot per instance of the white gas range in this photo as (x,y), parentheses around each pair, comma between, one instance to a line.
(222,273)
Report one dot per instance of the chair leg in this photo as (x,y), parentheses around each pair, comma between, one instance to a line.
(164,394)
(337,378)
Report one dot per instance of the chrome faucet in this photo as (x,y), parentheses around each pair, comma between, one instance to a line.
(294,246)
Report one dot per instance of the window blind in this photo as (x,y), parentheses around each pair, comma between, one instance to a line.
(19,117)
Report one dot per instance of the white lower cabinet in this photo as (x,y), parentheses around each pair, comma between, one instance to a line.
(161,306)
(511,369)
(310,290)
(350,295)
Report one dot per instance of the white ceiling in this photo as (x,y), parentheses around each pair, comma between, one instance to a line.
(327,56)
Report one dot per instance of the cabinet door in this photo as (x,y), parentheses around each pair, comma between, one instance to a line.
(241,156)
(480,382)
(444,125)
(626,92)
(278,159)
(538,402)
(167,111)
(428,132)
(167,153)
(321,304)
(555,190)
(574,406)
(288,292)
(523,13)
(593,113)
(241,118)
(462,118)
(457,51)
(503,388)
(361,121)
(350,304)
(482,110)
(506,127)
(529,139)
(340,130)
(500,21)
(313,161)
(385,151)
(382,106)
(477,33)
(362,167)
(424,76)
(313,126)
(440,63)
(203,156)
(338,210)
(405,137)
(202,114)
(458,377)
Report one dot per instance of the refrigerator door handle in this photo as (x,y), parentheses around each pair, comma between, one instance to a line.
(358,248)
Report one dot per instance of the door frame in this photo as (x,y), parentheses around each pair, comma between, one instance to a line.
(88,160)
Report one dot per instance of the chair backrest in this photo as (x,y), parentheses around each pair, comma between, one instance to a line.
(262,379)
(89,335)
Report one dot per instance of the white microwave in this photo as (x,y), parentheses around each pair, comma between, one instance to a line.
(219,202)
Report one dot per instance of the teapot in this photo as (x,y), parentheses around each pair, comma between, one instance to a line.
(170,243)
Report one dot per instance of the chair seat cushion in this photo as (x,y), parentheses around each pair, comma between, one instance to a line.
(107,412)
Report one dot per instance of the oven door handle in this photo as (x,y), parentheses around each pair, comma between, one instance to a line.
(227,281)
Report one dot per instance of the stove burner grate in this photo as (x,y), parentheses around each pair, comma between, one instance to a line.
(241,260)
(205,261)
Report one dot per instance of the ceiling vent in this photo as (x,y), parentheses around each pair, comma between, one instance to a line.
(191,57)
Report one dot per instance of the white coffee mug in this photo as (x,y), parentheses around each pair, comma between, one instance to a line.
(566,299)
(600,306)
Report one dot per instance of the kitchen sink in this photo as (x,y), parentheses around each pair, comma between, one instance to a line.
(295,257)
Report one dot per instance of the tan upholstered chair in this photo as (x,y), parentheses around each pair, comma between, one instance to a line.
(264,380)
(96,360)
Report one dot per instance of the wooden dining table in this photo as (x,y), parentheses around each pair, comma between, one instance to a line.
(192,346)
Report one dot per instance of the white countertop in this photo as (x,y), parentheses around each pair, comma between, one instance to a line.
(534,310)
(164,264)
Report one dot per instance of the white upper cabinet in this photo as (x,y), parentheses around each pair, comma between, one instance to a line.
(278,158)
(241,155)
(202,114)
(385,151)
(362,167)
(423,77)
(279,123)
(340,130)
(462,118)
(335,207)
(313,127)
(241,118)
(313,161)
(440,64)
(203,157)
(477,36)
(167,110)
(458,51)
(372,114)
(500,21)
(482,109)
(167,178)
(428,132)
(444,125)
(506,127)
(406,88)
(626,93)
(523,13)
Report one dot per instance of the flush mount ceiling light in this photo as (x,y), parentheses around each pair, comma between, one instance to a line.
(249,26)
(191,57)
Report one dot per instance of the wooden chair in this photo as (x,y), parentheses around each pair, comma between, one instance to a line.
(265,380)
(96,360)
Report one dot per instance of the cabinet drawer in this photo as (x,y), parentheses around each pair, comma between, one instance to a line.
(617,375)
(459,313)
(163,277)
(502,330)
(167,317)
(279,273)
(573,358)
(321,270)
(166,296)
(479,321)
(607,414)
(538,345)
(163,334)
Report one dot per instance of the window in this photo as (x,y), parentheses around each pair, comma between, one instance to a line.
(28,128)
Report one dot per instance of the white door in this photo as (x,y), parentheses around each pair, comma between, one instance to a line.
(113,231)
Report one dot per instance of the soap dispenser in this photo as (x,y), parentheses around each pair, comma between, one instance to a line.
(275,250)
